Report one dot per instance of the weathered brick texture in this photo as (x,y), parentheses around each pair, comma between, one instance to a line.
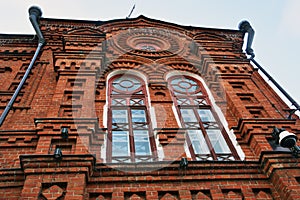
(67,88)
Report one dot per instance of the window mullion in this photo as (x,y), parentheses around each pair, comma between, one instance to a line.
(131,136)
(207,140)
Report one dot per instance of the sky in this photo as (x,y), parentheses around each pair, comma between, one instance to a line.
(276,24)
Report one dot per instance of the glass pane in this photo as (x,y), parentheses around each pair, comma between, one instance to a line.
(188,115)
(217,140)
(179,89)
(183,101)
(194,88)
(200,102)
(136,102)
(120,126)
(206,115)
(185,85)
(192,125)
(115,92)
(190,81)
(119,116)
(175,81)
(139,126)
(118,86)
(198,142)
(142,144)
(141,136)
(177,93)
(138,115)
(119,102)
(120,143)
(142,148)
(125,83)
(134,87)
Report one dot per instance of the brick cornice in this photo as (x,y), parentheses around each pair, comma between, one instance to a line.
(247,128)
(43,164)
(11,178)
(277,160)
(262,123)
(167,171)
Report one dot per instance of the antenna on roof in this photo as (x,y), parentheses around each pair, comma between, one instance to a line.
(131,12)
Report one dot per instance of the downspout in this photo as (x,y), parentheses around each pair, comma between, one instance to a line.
(34,15)
(245,27)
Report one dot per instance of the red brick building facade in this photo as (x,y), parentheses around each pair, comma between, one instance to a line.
(136,97)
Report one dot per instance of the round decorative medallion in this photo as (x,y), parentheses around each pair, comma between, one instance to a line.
(149,42)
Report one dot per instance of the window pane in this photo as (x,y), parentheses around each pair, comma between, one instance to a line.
(194,88)
(125,83)
(142,144)
(175,81)
(119,116)
(138,115)
(198,142)
(217,140)
(118,86)
(183,101)
(188,115)
(118,102)
(185,85)
(206,115)
(200,102)
(177,93)
(120,143)
(179,89)
(136,102)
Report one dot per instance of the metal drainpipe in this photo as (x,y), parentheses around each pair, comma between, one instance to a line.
(34,15)
(245,27)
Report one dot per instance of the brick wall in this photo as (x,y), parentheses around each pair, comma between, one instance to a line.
(67,88)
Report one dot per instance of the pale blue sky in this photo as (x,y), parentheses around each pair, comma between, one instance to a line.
(276,23)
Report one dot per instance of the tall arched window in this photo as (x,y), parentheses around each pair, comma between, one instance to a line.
(206,138)
(130,138)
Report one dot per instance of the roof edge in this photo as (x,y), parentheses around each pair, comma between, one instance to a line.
(100,23)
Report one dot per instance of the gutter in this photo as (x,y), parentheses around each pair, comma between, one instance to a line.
(245,27)
(34,15)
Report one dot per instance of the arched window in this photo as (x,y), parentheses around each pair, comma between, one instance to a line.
(206,138)
(130,138)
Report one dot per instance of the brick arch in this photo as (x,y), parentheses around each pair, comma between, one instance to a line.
(132,62)
(180,64)
(127,62)
(155,71)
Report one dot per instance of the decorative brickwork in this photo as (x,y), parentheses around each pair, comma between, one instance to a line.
(68,87)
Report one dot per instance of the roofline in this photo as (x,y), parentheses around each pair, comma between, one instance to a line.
(100,23)
(16,36)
